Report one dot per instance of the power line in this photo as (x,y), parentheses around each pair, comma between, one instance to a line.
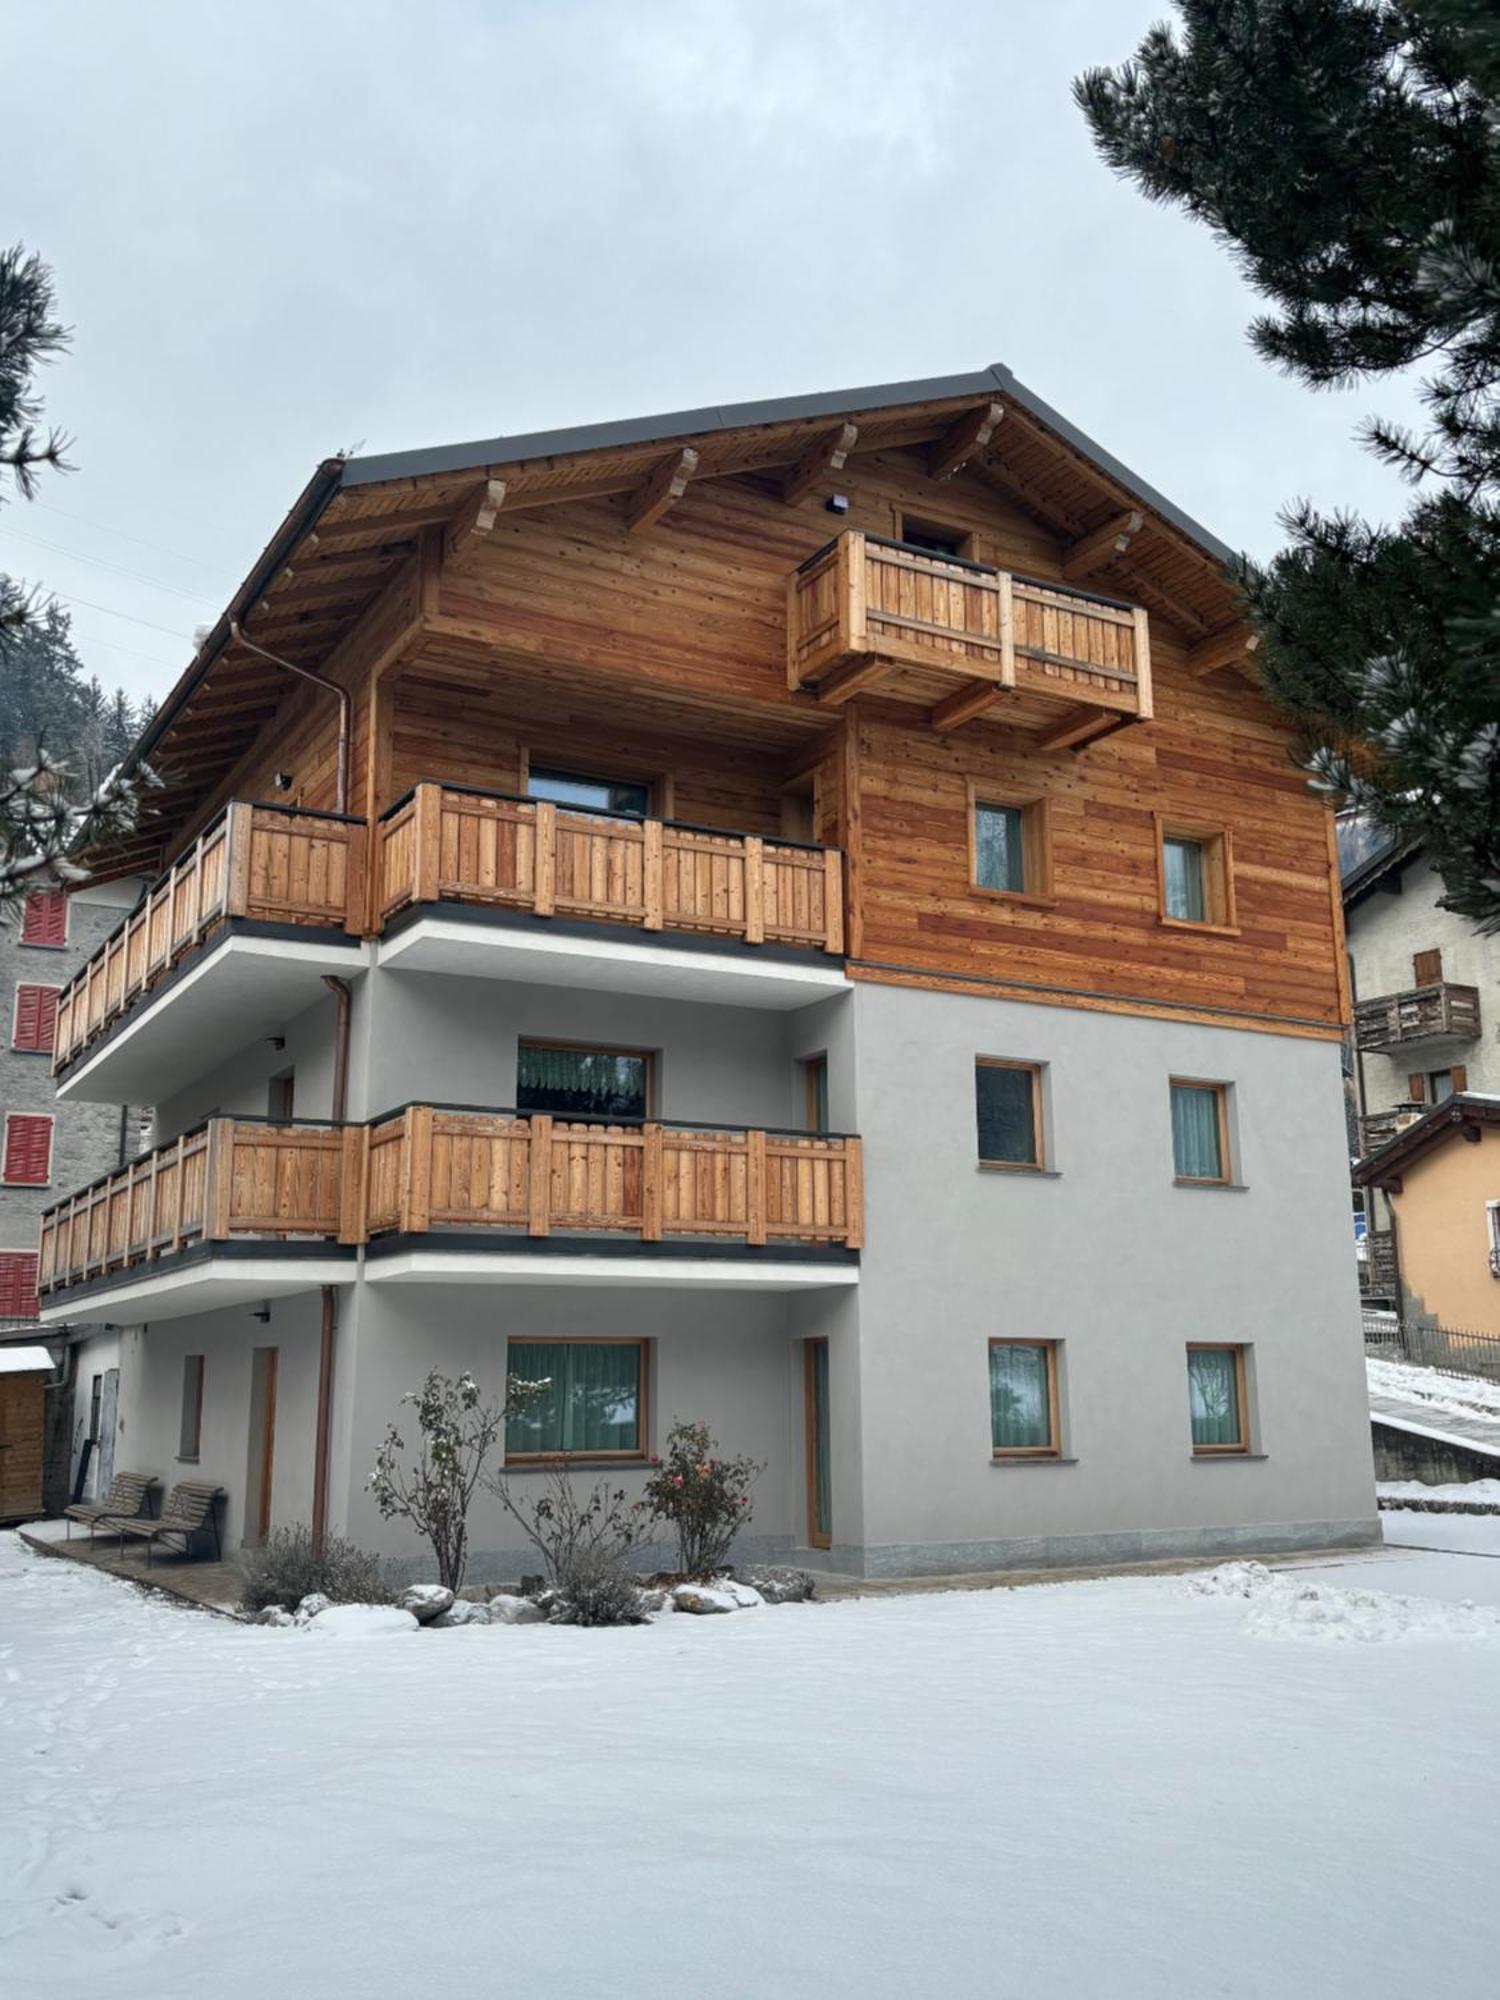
(140,542)
(134,652)
(118,569)
(130,619)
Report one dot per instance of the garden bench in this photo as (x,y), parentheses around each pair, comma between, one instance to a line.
(189,1510)
(125,1500)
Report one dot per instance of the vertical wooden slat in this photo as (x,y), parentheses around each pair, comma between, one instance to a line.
(354,1167)
(755,890)
(218,1182)
(1143,703)
(239,837)
(427,835)
(651,885)
(755,1187)
(544,900)
(416,1168)
(539,1191)
(651,1183)
(854,1194)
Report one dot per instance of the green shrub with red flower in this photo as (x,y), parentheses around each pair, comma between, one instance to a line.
(704,1498)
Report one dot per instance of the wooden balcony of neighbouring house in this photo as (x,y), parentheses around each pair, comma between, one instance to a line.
(226,946)
(1438,1013)
(959,639)
(243,1209)
(1378,1128)
(1377,1265)
(494,884)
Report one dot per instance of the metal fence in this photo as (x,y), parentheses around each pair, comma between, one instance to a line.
(1451,1350)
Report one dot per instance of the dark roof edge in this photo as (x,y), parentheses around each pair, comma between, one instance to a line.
(1364,880)
(1434,1129)
(439,459)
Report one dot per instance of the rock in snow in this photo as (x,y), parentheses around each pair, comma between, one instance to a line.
(312,1606)
(508,1610)
(460,1612)
(704,1600)
(363,1621)
(426,1601)
(274,1614)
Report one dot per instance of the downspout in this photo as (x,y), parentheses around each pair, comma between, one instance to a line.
(341,780)
(339,988)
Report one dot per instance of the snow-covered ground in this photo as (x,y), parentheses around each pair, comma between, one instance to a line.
(1271,1785)
(1456,1395)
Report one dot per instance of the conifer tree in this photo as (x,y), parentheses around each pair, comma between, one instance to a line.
(1348,154)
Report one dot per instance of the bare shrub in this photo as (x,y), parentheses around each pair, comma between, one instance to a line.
(585,1545)
(287,1567)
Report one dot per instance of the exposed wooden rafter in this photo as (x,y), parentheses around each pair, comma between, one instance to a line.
(1158,600)
(1104,546)
(662,490)
(1232,646)
(401,522)
(476,517)
(1048,511)
(966,701)
(964,440)
(1079,726)
(850,678)
(824,455)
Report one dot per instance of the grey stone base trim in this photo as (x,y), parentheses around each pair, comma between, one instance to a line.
(1103,1551)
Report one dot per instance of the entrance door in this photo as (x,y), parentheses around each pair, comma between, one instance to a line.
(109,1423)
(22,1401)
(819,1473)
(262,1446)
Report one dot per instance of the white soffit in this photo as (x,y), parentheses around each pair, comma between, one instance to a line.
(500,1267)
(204,1286)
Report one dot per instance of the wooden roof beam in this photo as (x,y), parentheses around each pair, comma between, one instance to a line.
(661,491)
(850,678)
(964,440)
(1158,600)
(1232,646)
(475,518)
(1081,725)
(1047,510)
(824,455)
(1104,546)
(430,515)
(965,702)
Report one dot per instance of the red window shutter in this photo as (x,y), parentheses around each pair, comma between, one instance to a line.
(28,1149)
(35,1026)
(18,1284)
(46,918)
(1460,1076)
(1416,1087)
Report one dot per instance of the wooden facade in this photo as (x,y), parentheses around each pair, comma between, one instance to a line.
(693,630)
(430,1168)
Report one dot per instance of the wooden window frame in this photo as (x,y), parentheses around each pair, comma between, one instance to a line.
(19,1047)
(185,1457)
(1242,1447)
(1225,1175)
(1054,1424)
(810,1066)
(647,1056)
(49,1118)
(902,517)
(660,786)
(1221,918)
(543,1460)
(1036,838)
(1040,1164)
(46,944)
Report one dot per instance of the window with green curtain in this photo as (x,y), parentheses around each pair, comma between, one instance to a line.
(607,1083)
(592,1401)
(1197,1135)
(1005,1104)
(1214,1397)
(1021,1396)
(1183,871)
(1000,847)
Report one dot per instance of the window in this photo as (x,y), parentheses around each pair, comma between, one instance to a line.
(935,539)
(18,1284)
(592,1404)
(815,1093)
(28,1149)
(1427,967)
(1008,1106)
(580,1082)
(1009,846)
(572,788)
(1200,1131)
(1492,1217)
(191,1433)
(33,1028)
(1441,1084)
(1216,1397)
(45,920)
(1023,1398)
(281,1096)
(96,1406)
(1195,875)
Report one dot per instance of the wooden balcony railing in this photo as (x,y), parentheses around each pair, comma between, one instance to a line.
(450,843)
(452,1168)
(865,598)
(440,1167)
(1377,1268)
(1378,1128)
(280,864)
(232,1177)
(1439,1013)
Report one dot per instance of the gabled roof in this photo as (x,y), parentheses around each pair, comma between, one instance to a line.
(1378,871)
(357,521)
(1463,1115)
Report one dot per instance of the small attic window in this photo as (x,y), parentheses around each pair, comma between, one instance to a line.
(935,539)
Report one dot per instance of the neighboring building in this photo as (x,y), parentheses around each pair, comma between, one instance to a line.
(1439,1180)
(1426,989)
(25,1373)
(704,791)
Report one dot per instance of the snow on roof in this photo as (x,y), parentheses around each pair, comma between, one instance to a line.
(25,1361)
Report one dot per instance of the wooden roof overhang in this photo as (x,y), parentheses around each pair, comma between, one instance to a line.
(358,521)
(1462,1116)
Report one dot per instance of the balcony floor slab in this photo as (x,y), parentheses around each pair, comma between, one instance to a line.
(553,951)
(566,1261)
(244,982)
(198,1281)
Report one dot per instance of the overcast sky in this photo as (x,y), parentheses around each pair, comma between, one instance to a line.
(280,230)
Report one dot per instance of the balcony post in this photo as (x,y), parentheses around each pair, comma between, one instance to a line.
(354,1161)
(426,843)
(238,834)
(833,900)
(544,898)
(850,588)
(1006,607)
(854,1194)
(1143,705)
(218,1181)
(755,889)
(356,886)
(539,1165)
(756,1190)
(652,886)
(416,1169)
(651,1178)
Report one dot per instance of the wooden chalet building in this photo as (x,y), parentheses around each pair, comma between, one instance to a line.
(795,915)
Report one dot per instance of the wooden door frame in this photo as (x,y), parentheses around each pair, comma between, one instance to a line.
(817,1538)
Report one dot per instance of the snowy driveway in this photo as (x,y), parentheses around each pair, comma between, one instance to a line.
(1118,1788)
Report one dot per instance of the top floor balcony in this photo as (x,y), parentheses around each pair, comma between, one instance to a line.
(962,639)
(1436,1013)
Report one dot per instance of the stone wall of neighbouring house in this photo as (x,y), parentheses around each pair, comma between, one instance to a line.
(1406,1455)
